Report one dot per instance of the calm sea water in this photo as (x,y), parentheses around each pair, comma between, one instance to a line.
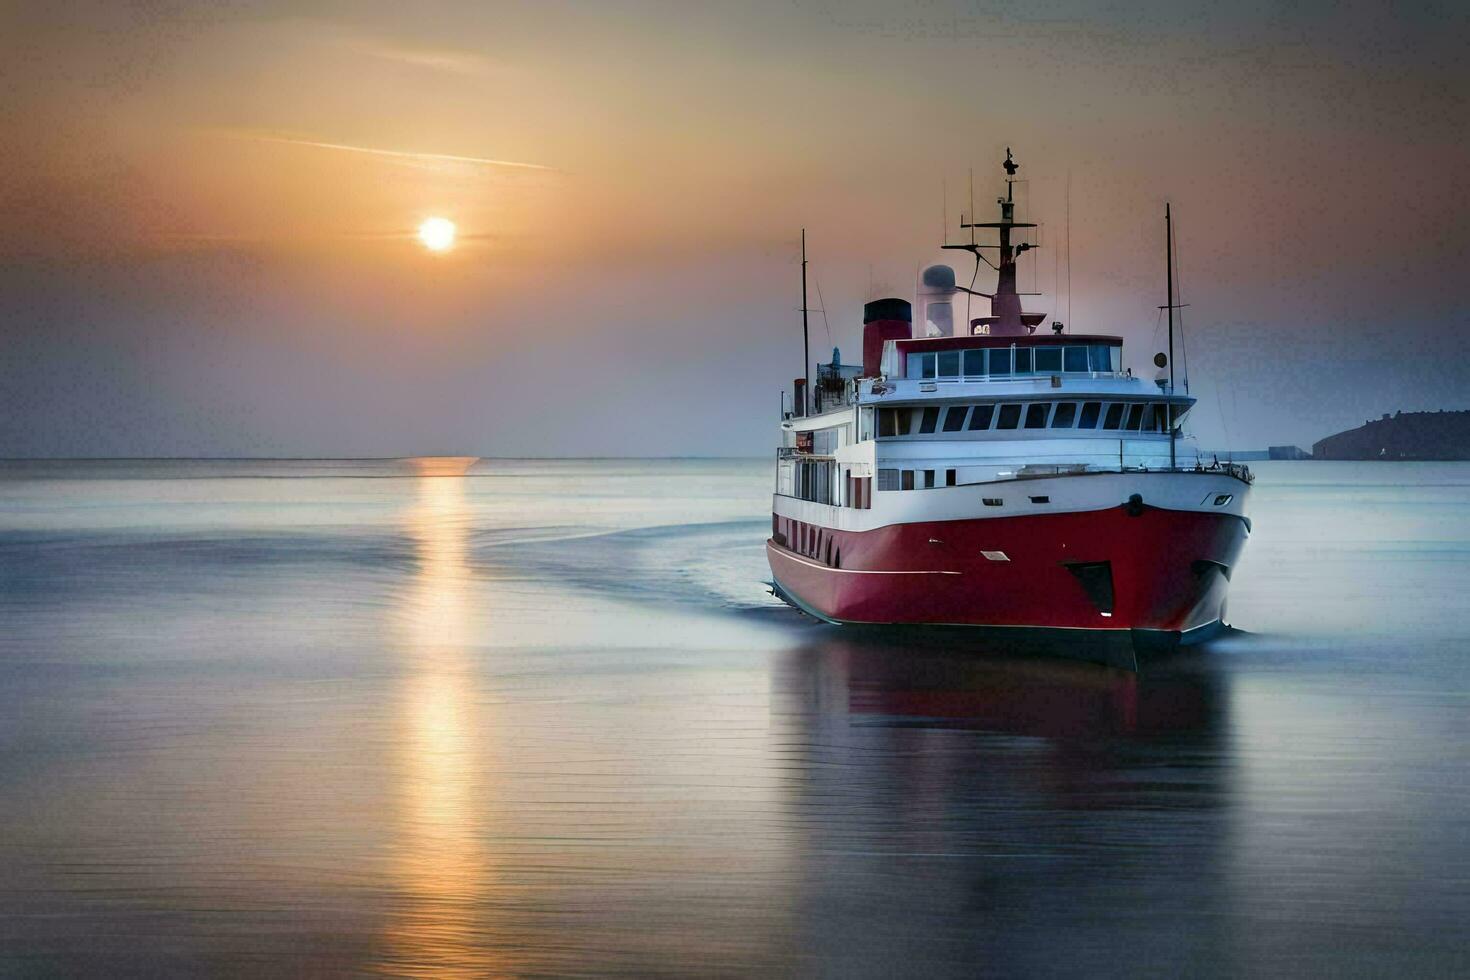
(542,718)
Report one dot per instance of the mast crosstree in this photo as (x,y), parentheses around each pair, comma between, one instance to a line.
(1006,318)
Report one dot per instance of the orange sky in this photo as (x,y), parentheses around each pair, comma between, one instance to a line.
(200,205)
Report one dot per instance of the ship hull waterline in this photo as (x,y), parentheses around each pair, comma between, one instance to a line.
(1112,585)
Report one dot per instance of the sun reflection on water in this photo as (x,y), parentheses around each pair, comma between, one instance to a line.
(441,865)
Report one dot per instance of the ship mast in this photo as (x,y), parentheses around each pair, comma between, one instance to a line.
(1169,279)
(806,354)
(1006,318)
(1006,304)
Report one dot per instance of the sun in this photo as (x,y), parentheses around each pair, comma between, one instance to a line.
(437,234)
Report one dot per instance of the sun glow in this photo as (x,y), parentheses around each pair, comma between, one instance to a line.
(437,234)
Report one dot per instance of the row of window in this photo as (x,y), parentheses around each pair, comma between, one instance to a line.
(1116,416)
(913,479)
(819,442)
(925,480)
(1004,362)
(813,481)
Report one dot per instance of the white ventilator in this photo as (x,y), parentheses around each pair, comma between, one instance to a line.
(935,295)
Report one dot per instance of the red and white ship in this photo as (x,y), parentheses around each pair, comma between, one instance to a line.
(1001,476)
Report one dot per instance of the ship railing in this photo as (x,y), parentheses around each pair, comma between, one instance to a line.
(833,393)
(1128,456)
(1238,470)
(828,395)
(1029,472)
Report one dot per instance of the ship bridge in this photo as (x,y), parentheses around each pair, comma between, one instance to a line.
(950,359)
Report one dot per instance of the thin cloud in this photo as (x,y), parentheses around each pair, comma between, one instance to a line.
(204,237)
(381,152)
(437,59)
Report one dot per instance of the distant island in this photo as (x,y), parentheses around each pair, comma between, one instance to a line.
(1404,435)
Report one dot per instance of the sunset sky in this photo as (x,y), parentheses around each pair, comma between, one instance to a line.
(208,212)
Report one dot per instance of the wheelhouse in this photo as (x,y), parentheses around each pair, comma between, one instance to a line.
(956,359)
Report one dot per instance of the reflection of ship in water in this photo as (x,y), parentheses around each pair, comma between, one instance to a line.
(932,686)
(957,802)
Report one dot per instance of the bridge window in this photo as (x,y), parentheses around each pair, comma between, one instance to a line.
(1157,418)
(1090,412)
(921,365)
(930,419)
(1010,417)
(1036,415)
(1114,417)
(954,418)
(1135,417)
(1001,362)
(1065,414)
(980,418)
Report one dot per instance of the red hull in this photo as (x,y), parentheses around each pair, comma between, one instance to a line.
(1165,570)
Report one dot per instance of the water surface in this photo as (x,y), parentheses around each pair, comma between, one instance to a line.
(542,717)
